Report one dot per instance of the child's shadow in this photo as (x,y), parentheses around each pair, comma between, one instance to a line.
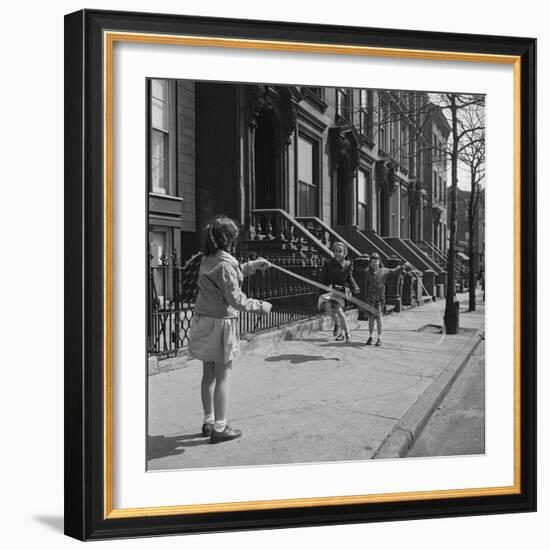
(160,446)
(297,358)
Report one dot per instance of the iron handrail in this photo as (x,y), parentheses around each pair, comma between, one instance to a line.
(297,226)
(330,231)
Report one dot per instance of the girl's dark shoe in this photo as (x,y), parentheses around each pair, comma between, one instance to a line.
(378,342)
(340,337)
(336,330)
(369,341)
(227,435)
(207,429)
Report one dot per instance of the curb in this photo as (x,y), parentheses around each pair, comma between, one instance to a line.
(399,442)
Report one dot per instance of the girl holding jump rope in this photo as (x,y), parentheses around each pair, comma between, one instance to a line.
(214,335)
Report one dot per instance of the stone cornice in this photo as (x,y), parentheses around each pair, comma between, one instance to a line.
(314,99)
(311,119)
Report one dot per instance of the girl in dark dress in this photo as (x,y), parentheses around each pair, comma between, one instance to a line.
(338,273)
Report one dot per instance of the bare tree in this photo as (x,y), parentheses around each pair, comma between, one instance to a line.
(473,158)
(463,136)
(414,108)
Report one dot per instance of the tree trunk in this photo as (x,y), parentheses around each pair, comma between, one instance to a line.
(451,312)
(471,247)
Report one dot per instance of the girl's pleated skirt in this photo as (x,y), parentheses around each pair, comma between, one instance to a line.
(213,339)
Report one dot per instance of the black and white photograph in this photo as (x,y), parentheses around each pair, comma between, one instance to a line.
(316,274)
(246,255)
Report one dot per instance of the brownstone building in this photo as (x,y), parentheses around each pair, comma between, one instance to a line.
(298,167)
(346,156)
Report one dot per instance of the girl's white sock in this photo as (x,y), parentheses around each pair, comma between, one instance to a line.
(209,418)
(219,425)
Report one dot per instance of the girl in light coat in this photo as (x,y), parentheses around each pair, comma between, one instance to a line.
(214,335)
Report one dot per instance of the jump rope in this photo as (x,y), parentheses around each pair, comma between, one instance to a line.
(356,301)
(359,303)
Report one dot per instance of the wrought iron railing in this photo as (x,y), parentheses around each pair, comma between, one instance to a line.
(325,234)
(461,269)
(171,301)
(173,290)
(291,298)
(434,254)
(273,231)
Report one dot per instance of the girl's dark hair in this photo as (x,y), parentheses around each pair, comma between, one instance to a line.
(380,263)
(221,233)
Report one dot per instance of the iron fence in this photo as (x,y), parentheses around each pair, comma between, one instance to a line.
(171,301)
(173,290)
(292,299)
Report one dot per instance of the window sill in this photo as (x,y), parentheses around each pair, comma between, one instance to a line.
(163,196)
(366,140)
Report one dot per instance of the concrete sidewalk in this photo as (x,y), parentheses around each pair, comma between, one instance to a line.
(312,399)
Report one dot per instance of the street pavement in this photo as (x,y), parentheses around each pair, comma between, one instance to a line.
(457,427)
(309,398)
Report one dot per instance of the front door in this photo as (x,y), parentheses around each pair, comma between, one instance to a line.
(266,173)
(343,195)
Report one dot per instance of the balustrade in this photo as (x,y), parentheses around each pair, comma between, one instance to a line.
(274,232)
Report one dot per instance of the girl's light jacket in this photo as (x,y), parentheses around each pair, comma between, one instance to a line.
(220,294)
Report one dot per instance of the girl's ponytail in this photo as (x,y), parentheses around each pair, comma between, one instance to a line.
(210,246)
(221,233)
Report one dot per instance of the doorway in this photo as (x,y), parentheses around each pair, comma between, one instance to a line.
(267,192)
(343,194)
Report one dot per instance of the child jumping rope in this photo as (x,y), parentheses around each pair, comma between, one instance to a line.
(214,335)
(338,273)
(375,290)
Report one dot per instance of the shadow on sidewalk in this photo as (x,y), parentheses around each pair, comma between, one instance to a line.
(297,358)
(159,446)
(351,344)
(323,343)
(313,340)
